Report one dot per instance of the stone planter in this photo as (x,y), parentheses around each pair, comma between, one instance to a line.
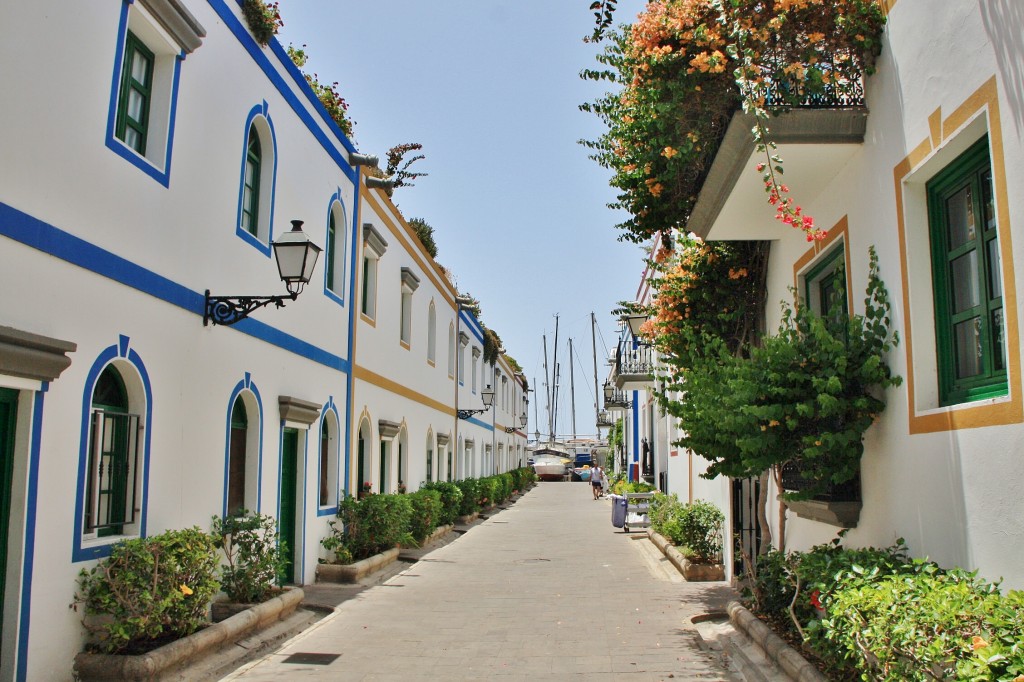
(162,662)
(691,572)
(352,573)
(468,518)
(221,610)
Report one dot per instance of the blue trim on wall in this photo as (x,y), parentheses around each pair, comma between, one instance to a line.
(109,354)
(53,241)
(474,420)
(636,431)
(263,111)
(161,175)
(329,510)
(472,324)
(338,277)
(32,497)
(244,385)
(259,56)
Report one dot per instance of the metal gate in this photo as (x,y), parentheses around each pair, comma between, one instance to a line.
(746,525)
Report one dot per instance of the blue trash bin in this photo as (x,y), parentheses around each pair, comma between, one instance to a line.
(618,510)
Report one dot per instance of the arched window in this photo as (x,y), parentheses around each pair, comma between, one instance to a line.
(334,263)
(363,465)
(113,457)
(256,185)
(328,460)
(251,183)
(430,456)
(237,456)
(451,351)
(431,334)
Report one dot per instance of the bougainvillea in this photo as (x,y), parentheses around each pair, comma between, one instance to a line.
(685,66)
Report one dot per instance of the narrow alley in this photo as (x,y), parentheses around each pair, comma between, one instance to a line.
(546,589)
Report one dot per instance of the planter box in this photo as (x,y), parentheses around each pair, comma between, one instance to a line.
(352,573)
(161,662)
(468,518)
(222,610)
(691,572)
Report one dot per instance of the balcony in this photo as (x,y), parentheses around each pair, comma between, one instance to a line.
(634,367)
(614,399)
(817,135)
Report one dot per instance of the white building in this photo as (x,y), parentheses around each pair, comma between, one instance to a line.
(925,173)
(152,151)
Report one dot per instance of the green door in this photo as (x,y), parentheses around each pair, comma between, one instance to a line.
(8,419)
(289,485)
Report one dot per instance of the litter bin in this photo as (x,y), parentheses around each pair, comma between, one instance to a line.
(618,511)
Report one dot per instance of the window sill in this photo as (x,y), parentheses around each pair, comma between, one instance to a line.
(840,514)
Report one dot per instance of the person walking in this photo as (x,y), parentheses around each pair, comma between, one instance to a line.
(597,481)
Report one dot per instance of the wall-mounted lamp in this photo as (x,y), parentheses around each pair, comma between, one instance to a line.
(609,391)
(296,257)
(635,322)
(487,395)
(522,421)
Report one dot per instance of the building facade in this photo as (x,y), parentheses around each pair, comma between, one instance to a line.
(153,153)
(924,171)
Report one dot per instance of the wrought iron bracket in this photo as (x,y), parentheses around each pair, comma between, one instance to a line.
(227,310)
(466,414)
(510,429)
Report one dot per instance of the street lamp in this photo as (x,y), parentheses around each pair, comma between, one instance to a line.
(522,420)
(296,258)
(609,392)
(487,395)
(636,321)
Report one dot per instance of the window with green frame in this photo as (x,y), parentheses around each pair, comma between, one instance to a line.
(251,183)
(966,275)
(332,250)
(113,458)
(136,94)
(825,287)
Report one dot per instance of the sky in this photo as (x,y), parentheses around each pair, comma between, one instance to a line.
(491,89)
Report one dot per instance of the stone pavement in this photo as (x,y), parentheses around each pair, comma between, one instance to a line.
(545,590)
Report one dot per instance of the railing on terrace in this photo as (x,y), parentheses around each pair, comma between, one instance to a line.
(634,361)
(842,84)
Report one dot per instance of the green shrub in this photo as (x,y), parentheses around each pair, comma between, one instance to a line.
(926,625)
(523,478)
(369,526)
(487,492)
(875,613)
(426,512)
(255,556)
(470,496)
(152,589)
(696,527)
(451,500)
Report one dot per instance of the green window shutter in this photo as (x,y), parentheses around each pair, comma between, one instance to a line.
(136,93)
(251,183)
(331,251)
(966,276)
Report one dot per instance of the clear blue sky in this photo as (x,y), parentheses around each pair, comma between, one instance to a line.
(490,89)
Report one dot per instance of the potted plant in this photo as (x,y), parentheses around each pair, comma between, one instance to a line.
(263,18)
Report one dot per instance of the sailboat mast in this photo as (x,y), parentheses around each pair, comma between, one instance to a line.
(547,385)
(572,389)
(597,400)
(553,414)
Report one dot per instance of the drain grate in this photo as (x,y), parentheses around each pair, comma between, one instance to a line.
(307,658)
(532,561)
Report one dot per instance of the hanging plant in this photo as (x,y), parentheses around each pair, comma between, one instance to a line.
(263,18)
(686,66)
(334,103)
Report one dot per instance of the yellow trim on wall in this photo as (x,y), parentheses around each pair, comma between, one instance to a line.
(372,377)
(983,413)
(838,230)
(406,237)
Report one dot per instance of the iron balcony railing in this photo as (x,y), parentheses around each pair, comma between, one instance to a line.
(842,86)
(637,361)
(619,398)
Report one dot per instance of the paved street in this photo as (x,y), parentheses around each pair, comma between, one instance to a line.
(546,589)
